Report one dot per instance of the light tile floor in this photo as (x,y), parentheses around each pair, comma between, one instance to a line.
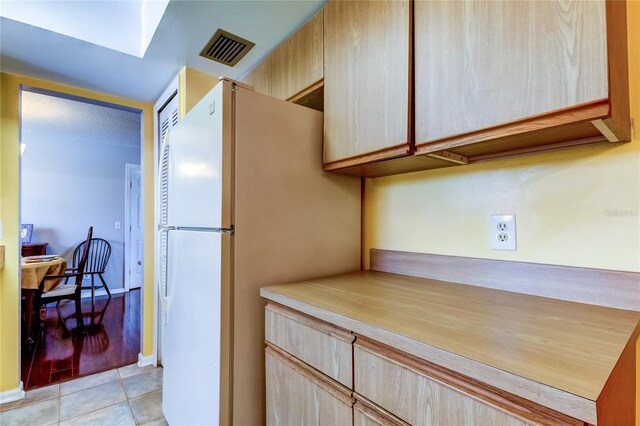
(125,396)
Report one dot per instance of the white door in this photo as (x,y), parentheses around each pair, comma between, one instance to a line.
(134,237)
(191,350)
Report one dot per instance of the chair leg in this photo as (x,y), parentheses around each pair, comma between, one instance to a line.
(104,284)
(79,319)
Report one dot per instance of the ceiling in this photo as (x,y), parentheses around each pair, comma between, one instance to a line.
(53,117)
(185,28)
(92,21)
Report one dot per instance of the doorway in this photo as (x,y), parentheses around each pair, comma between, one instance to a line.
(133,229)
(75,170)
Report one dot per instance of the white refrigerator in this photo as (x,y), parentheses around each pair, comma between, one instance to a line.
(243,203)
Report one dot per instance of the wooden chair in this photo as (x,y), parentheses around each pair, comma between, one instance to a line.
(68,291)
(99,254)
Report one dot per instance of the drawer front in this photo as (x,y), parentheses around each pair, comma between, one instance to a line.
(321,345)
(298,395)
(418,399)
(367,414)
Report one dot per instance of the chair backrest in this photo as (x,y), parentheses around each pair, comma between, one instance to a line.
(84,256)
(99,254)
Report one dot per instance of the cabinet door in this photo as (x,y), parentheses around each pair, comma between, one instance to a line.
(299,395)
(480,64)
(323,346)
(298,62)
(366,81)
(421,393)
(260,77)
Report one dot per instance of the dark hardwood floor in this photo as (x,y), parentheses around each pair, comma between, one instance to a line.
(112,340)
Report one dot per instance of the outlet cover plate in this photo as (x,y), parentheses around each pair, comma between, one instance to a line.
(502,232)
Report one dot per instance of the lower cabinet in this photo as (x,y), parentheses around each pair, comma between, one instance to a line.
(418,398)
(389,387)
(300,395)
(366,413)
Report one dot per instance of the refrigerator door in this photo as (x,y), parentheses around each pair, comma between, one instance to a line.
(191,357)
(195,166)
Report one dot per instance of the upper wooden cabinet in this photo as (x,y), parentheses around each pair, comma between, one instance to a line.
(298,62)
(366,81)
(432,84)
(416,85)
(481,64)
(532,73)
(260,77)
(295,67)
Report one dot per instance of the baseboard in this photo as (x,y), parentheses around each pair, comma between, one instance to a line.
(12,395)
(143,361)
(86,294)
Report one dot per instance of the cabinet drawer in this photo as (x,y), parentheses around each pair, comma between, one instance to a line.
(419,392)
(367,414)
(299,395)
(321,345)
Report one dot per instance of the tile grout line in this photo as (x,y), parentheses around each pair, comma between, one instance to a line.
(58,396)
(135,419)
(93,411)
(127,399)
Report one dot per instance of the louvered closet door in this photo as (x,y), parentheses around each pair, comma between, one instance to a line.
(163,236)
(167,118)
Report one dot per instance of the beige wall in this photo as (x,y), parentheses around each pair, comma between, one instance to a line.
(192,86)
(9,213)
(578,207)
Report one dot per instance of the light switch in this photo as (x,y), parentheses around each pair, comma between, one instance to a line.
(116,225)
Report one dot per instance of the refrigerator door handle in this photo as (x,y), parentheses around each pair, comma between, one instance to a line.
(231,230)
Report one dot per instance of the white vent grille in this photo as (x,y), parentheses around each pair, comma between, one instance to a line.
(226,48)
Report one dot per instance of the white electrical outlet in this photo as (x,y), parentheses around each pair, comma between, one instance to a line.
(502,232)
(116,225)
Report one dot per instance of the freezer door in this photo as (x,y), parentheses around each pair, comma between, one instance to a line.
(191,350)
(195,166)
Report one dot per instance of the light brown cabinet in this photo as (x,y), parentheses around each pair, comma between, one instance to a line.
(408,390)
(483,64)
(498,78)
(297,63)
(367,81)
(260,77)
(417,85)
(294,70)
(455,82)
(428,348)
(380,385)
(299,395)
(366,413)
(323,346)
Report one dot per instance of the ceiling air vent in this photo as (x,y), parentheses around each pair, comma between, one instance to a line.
(226,48)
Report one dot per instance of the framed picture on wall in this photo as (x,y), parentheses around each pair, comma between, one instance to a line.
(26,232)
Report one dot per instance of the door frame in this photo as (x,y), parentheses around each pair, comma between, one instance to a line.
(128,168)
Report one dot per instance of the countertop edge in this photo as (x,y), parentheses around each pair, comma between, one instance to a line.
(565,402)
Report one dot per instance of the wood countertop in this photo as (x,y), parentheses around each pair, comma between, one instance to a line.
(553,352)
